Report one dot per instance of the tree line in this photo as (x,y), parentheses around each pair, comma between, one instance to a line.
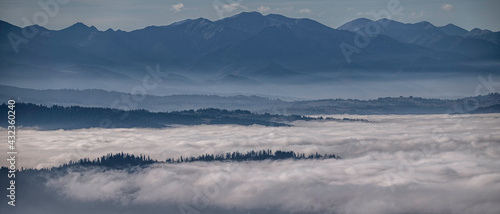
(123,160)
(252,156)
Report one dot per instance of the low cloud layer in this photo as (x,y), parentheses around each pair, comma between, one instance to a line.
(442,184)
(399,164)
(422,135)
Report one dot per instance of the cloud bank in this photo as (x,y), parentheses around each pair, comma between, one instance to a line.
(442,184)
(425,134)
(399,164)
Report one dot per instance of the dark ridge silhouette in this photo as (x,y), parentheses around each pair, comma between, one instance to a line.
(118,160)
(127,161)
(246,41)
(253,156)
(77,117)
(255,104)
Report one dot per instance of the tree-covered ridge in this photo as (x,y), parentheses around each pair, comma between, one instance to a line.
(386,105)
(117,160)
(124,160)
(253,156)
(75,117)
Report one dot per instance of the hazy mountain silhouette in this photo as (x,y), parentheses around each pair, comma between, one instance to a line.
(256,104)
(255,48)
(476,44)
(453,30)
(486,35)
(77,117)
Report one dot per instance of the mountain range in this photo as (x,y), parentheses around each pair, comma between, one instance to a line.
(478,44)
(245,53)
(262,105)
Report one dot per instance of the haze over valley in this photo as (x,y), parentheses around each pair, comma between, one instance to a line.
(245,106)
(254,54)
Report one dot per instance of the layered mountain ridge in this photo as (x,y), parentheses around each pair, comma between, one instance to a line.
(258,50)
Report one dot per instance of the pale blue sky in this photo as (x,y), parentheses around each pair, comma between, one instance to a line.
(133,14)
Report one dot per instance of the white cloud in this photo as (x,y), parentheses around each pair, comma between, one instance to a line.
(263,9)
(224,10)
(399,164)
(305,10)
(440,183)
(414,14)
(447,7)
(232,7)
(347,139)
(177,7)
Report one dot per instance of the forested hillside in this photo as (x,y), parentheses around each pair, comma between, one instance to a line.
(75,117)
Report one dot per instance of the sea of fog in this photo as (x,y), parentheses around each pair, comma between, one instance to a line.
(394,164)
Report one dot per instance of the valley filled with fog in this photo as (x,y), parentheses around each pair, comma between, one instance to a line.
(393,164)
(250,107)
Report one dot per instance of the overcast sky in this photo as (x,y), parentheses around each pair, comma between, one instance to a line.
(132,14)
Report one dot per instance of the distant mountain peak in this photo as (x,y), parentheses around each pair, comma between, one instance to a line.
(424,23)
(36,26)
(245,16)
(280,18)
(2,22)
(202,20)
(196,22)
(354,24)
(453,30)
(486,35)
(479,31)
(363,19)
(79,26)
(248,14)
(387,20)
(249,22)
(450,25)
